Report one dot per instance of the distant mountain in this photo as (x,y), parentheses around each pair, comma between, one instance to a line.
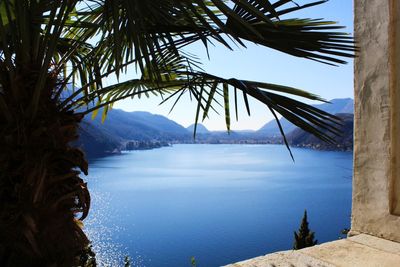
(344,142)
(146,130)
(200,129)
(99,139)
(339,105)
(139,125)
(271,129)
(96,142)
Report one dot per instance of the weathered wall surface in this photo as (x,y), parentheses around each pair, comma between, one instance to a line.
(395,103)
(374,110)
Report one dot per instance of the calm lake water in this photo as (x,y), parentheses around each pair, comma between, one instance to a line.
(218,203)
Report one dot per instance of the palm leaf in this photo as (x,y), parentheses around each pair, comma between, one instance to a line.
(89,42)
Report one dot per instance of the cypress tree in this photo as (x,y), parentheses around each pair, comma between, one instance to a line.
(193,261)
(304,237)
(127,262)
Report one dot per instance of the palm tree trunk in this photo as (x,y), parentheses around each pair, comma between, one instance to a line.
(43,199)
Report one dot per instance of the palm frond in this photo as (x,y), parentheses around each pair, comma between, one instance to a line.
(84,44)
(207,90)
(302,115)
(144,30)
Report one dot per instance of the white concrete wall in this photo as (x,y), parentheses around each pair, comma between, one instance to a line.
(376,107)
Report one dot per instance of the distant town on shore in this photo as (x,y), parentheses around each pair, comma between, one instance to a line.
(142,130)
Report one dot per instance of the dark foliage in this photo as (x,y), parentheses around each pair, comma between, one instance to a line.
(304,238)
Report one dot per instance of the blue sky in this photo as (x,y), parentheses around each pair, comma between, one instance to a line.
(266,65)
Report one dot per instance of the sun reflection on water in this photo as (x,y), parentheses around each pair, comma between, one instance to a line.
(100,230)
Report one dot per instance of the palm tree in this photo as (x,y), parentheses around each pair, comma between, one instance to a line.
(54,58)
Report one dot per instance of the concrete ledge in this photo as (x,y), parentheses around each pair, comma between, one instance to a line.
(285,258)
(362,250)
(377,243)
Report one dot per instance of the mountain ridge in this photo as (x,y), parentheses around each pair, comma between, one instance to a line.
(100,139)
(146,130)
(335,106)
(343,142)
(200,129)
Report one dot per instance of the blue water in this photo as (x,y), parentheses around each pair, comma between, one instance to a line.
(218,203)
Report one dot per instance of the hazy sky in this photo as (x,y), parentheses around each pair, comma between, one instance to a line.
(266,65)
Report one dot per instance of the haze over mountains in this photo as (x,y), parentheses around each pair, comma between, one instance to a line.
(148,130)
